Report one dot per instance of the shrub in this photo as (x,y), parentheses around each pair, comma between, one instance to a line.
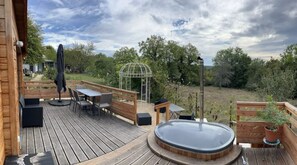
(279,84)
(50,73)
(273,115)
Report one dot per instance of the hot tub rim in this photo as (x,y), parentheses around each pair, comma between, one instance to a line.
(200,150)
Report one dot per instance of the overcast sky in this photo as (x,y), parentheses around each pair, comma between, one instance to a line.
(261,28)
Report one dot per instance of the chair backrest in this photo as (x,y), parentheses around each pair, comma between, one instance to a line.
(70,93)
(76,98)
(106,98)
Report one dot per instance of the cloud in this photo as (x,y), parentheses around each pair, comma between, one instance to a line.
(59,2)
(259,27)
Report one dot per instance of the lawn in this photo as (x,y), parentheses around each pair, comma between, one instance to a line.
(84,77)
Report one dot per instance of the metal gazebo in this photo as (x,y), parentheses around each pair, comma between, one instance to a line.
(137,70)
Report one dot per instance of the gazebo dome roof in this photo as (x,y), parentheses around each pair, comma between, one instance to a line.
(136,70)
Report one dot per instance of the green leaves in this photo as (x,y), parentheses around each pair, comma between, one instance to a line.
(78,57)
(273,115)
(231,67)
(277,83)
(34,39)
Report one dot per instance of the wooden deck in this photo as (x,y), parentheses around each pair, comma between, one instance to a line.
(254,156)
(109,140)
(141,154)
(73,139)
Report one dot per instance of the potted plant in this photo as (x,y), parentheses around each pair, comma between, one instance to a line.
(274,117)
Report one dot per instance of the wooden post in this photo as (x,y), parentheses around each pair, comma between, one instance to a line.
(158,107)
(135,108)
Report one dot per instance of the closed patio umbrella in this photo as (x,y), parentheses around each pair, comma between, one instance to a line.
(60,78)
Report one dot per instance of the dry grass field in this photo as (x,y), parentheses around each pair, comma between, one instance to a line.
(217,102)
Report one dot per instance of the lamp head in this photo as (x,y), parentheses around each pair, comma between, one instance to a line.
(19,44)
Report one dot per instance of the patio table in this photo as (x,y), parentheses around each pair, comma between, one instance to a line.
(90,93)
(175,110)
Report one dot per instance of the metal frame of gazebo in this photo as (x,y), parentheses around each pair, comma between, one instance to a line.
(137,70)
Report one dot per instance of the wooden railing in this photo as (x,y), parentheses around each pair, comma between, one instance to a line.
(45,89)
(250,130)
(124,102)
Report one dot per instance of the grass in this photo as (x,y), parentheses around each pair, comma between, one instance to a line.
(217,102)
(84,77)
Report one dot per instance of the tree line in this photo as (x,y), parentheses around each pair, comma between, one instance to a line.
(176,64)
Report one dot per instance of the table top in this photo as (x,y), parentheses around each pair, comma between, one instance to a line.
(175,108)
(89,92)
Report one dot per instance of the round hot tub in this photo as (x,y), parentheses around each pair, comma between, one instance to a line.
(204,140)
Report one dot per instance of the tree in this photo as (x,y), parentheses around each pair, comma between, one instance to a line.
(223,73)
(289,61)
(153,48)
(77,58)
(277,83)
(255,72)
(50,52)
(289,58)
(125,55)
(153,51)
(238,61)
(106,69)
(34,38)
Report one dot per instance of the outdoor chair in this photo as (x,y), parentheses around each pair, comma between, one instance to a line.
(105,101)
(73,100)
(83,104)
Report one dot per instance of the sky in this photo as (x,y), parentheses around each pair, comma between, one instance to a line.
(263,29)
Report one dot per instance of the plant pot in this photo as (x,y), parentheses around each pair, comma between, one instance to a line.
(271,135)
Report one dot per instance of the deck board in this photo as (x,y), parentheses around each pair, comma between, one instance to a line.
(144,158)
(57,148)
(105,137)
(73,139)
(134,156)
(30,141)
(72,142)
(38,140)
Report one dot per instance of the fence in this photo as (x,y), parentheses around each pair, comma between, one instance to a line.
(250,130)
(124,102)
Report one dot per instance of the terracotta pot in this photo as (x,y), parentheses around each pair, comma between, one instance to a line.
(271,135)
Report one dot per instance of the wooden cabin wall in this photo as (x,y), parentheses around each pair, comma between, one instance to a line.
(9,79)
(2,151)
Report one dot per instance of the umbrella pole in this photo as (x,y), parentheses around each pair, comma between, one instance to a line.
(59,97)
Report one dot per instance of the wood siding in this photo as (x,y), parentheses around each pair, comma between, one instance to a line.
(3,65)
(9,80)
(2,151)
(249,130)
